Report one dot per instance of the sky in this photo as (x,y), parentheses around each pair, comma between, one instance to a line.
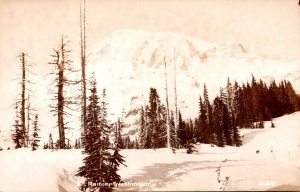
(268,27)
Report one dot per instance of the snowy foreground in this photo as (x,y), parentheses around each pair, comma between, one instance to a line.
(275,166)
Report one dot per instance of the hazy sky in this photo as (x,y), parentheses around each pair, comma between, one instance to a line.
(35,26)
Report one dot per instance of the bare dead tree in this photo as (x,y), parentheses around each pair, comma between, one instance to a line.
(175,93)
(22,110)
(167,102)
(22,101)
(83,63)
(62,64)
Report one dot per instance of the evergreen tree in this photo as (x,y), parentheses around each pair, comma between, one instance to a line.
(249,106)
(283,99)
(181,132)
(148,131)
(116,159)
(272,124)
(227,115)
(17,134)
(202,124)
(68,144)
(190,148)
(209,121)
(76,144)
(51,144)
(236,114)
(219,121)
(236,136)
(143,131)
(103,114)
(46,146)
(35,135)
(96,168)
(127,143)
(190,130)
(227,127)
(260,124)
(272,102)
(136,143)
(266,98)
(119,127)
(255,98)
(292,97)
(159,139)
(173,138)
(152,116)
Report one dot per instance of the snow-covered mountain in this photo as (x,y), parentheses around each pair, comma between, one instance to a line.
(128,62)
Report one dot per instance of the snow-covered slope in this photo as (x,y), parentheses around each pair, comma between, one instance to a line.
(276,166)
(128,62)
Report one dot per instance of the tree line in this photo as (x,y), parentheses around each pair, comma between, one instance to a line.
(218,122)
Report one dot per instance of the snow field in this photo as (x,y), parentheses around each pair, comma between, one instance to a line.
(276,165)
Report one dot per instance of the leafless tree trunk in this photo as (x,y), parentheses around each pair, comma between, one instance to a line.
(167,102)
(23,126)
(60,98)
(28,119)
(29,109)
(175,93)
(83,64)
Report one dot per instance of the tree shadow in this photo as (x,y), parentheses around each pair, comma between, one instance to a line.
(248,137)
(159,174)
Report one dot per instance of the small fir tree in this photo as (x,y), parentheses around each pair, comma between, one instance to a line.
(116,159)
(100,166)
(35,135)
(272,124)
(51,144)
(17,134)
